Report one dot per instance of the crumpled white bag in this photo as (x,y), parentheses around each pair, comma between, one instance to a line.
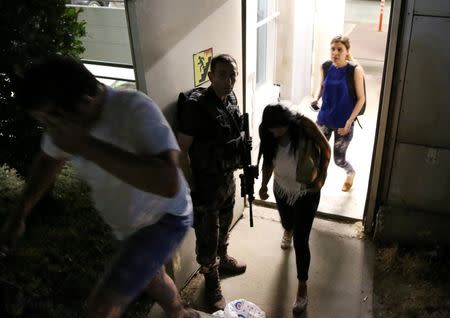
(240,308)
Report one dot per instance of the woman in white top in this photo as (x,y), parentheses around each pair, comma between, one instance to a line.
(296,152)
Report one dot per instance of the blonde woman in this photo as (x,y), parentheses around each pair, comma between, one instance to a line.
(339,106)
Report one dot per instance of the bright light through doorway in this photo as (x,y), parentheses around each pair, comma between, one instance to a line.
(368,49)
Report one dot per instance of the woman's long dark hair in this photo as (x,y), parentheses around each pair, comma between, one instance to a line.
(278,116)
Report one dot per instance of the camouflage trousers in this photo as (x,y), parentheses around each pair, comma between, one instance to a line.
(212,221)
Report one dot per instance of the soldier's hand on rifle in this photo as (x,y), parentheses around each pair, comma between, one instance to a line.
(248,141)
(236,145)
(263,193)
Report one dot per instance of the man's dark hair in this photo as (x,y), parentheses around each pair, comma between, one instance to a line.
(222,58)
(56,79)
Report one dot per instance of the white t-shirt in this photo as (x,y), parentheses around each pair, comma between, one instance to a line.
(133,122)
(285,168)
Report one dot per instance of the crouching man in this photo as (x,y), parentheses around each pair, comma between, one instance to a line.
(121,144)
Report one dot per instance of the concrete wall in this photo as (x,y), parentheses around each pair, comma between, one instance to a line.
(165,34)
(415,189)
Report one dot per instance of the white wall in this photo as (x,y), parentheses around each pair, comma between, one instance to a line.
(328,22)
(302,67)
(165,34)
(285,48)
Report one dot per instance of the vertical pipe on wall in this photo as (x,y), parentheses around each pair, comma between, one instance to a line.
(244,64)
(136,55)
(244,53)
(380,22)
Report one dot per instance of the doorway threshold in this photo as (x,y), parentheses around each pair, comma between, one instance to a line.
(322,215)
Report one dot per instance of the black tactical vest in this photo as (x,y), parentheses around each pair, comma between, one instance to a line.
(209,154)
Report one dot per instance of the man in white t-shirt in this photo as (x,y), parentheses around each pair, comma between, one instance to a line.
(121,144)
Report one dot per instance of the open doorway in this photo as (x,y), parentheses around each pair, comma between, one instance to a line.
(368,45)
(313,25)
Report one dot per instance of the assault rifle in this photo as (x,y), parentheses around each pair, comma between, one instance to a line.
(250,171)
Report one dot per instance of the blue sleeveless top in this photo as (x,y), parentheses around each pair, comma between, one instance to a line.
(337,103)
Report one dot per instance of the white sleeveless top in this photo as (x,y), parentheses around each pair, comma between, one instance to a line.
(285,183)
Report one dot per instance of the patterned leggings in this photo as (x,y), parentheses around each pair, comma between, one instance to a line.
(341,144)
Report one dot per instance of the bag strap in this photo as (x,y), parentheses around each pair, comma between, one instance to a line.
(231,118)
(350,76)
(325,67)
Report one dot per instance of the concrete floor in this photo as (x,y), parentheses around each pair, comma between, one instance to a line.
(340,283)
(367,11)
(340,271)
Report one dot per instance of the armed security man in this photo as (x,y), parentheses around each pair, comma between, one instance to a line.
(211,143)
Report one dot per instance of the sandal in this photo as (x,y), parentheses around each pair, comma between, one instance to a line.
(348,183)
(300,305)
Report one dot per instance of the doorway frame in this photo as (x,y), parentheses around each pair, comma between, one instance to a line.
(381,149)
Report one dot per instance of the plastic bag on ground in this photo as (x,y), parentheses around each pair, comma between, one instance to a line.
(240,308)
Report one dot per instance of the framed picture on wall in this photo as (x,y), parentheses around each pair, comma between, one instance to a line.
(202,64)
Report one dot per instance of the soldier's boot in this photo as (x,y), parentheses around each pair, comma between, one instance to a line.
(229,265)
(213,291)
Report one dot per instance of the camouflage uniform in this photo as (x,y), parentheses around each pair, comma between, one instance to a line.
(215,154)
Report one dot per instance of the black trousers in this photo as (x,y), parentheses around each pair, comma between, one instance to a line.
(299,218)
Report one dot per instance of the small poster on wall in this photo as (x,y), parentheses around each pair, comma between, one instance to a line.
(202,63)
